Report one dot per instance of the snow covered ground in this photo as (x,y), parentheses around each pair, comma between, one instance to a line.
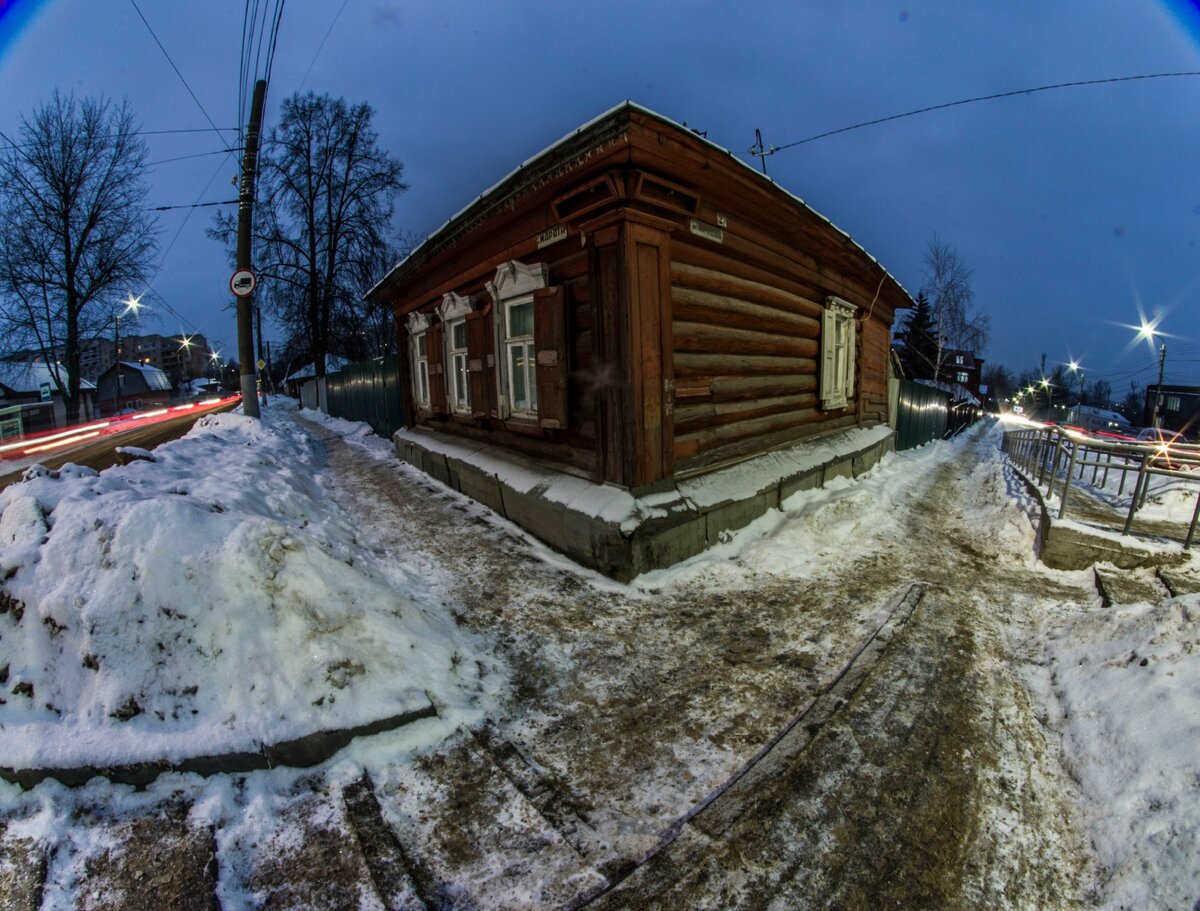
(218,598)
(209,599)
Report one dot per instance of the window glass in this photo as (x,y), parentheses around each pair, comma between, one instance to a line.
(421,345)
(520,319)
(460,335)
(517,372)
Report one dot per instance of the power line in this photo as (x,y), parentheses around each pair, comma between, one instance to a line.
(195,205)
(174,67)
(187,157)
(771,150)
(320,47)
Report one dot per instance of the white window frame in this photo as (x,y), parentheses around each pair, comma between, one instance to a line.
(418,326)
(453,310)
(513,286)
(838,344)
(522,344)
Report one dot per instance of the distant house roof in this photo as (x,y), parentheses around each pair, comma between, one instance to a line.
(333,364)
(960,393)
(1103,413)
(28,376)
(968,358)
(156,380)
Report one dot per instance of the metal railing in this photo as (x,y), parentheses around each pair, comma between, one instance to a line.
(1055,457)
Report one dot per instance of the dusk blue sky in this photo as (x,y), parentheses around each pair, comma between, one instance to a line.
(1073,208)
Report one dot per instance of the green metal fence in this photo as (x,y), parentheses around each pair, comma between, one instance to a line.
(368,392)
(921,415)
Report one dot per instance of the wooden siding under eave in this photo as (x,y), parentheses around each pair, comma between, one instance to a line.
(766,226)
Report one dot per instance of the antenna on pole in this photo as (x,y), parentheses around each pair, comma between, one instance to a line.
(759,152)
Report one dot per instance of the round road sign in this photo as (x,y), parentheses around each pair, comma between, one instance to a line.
(242,283)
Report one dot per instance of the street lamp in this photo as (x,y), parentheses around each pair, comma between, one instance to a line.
(185,345)
(1147,330)
(131,305)
(1076,367)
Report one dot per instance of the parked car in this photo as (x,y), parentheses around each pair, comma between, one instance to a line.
(1160,435)
(1169,442)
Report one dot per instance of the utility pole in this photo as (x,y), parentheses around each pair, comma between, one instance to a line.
(245,305)
(758,150)
(1162,361)
(258,327)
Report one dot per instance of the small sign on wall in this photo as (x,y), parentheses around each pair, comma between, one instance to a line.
(552,236)
(707,231)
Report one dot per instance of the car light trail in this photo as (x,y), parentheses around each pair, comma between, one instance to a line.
(79,438)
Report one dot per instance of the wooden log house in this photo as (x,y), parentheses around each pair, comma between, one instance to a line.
(636,306)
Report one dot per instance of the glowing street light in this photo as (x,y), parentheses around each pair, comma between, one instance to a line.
(132,303)
(1076,367)
(1148,330)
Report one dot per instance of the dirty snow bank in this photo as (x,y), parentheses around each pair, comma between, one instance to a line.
(211,600)
(1128,683)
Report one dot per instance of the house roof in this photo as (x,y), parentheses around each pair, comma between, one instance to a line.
(333,364)
(1102,413)
(156,380)
(960,393)
(28,376)
(538,168)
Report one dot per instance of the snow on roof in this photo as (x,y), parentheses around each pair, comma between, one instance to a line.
(28,376)
(1102,413)
(156,380)
(632,106)
(960,393)
(333,364)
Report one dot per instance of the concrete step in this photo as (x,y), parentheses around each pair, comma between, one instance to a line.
(1129,586)
(1179,582)
(296,852)
(155,862)
(474,840)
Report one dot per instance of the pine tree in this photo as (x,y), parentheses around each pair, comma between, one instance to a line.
(918,341)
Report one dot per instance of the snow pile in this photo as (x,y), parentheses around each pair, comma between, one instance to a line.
(211,600)
(1128,682)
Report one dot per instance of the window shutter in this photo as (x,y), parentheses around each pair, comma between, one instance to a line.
(550,343)
(828,358)
(851,349)
(435,350)
(483,380)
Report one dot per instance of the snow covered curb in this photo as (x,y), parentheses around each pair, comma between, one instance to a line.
(607,527)
(209,602)
(1069,545)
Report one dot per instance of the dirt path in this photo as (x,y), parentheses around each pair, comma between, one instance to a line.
(928,783)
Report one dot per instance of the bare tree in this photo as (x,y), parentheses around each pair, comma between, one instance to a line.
(948,286)
(75,233)
(326,195)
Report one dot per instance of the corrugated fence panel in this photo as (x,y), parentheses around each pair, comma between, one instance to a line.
(921,414)
(369,392)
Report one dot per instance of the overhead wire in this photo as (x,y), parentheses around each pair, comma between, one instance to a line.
(321,46)
(772,149)
(167,54)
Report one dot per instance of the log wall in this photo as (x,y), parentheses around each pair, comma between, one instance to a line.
(747,349)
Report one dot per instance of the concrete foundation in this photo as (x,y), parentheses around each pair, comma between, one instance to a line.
(609,529)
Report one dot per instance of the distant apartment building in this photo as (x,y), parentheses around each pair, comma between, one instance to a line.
(179,361)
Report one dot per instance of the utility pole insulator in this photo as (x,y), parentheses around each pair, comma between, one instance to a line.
(245,305)
(758,150)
